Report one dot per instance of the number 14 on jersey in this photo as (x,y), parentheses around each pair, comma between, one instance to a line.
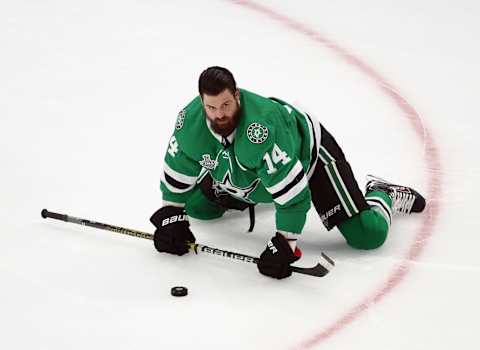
(277,156)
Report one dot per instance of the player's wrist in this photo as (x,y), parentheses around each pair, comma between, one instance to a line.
(291,239)
(173,204)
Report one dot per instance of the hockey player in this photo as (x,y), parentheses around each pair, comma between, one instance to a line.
(232,148)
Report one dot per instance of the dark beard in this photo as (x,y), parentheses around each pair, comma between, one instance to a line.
(228,128)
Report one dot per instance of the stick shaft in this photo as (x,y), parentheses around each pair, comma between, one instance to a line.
(99,225)
(195,247)
(318,270)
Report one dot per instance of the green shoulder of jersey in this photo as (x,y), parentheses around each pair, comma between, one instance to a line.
(191,131)
(261,121)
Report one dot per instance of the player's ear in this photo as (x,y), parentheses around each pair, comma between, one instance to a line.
(237,95)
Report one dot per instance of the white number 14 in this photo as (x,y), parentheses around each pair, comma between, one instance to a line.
(277,156)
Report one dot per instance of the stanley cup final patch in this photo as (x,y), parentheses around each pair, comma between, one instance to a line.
(208,163)
(257,133)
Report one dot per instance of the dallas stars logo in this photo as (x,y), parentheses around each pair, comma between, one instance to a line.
(227,187)
(180,119)
(257,133)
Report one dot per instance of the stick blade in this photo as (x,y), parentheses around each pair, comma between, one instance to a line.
(319,270)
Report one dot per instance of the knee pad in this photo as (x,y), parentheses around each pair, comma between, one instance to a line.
(366,230)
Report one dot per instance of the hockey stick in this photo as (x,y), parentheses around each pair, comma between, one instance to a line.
(318,270)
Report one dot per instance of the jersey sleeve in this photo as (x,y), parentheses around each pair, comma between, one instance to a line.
(179,175)
(283,176)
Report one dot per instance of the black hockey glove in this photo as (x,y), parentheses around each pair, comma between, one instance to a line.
(173,232)
(276,258)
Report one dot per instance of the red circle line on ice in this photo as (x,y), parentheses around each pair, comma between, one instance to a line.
(433,167)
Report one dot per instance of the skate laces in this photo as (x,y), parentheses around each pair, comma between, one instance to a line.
(402,201)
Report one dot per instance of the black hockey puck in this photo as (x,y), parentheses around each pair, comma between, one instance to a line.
(179,291)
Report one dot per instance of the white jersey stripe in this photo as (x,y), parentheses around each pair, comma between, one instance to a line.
(296,169)
(188,180)
(314,130)
(175,189)
(299,187)
(310,131)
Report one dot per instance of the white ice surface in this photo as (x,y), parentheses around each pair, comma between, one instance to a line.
(89,92)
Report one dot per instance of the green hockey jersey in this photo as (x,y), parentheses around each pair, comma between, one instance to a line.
(272,154)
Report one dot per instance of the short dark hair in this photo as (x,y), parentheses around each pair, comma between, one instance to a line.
(214,80)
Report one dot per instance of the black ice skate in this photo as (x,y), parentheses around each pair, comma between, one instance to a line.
(404,199)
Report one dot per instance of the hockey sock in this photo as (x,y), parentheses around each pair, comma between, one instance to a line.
(381,203)
(369,228)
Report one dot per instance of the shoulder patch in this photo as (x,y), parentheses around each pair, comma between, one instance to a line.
(180,119)
(257,133)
